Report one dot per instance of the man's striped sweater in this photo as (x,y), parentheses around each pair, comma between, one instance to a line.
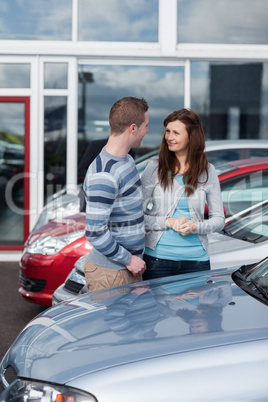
(114,215)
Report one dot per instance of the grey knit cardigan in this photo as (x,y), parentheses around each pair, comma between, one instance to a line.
(158,205)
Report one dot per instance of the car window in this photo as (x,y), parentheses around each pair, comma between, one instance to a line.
(252,227)
(244,191)
(259,153)
(222,156)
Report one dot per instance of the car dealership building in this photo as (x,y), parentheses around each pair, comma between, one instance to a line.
(63,63)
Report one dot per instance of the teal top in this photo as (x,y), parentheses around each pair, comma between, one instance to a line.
(172,245)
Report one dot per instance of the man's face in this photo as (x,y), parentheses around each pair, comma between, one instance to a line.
(141,131)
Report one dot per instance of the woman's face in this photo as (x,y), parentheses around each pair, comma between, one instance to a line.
(177,137)
(198,326)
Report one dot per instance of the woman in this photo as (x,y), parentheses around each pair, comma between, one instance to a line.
(176,188)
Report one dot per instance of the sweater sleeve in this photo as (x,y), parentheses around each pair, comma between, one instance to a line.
(153,221)
(216,220)
(100,192)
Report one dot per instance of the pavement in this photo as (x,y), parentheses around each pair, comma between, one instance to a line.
(15,312)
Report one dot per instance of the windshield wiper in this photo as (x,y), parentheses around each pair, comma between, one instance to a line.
(244,238)
(227,232)
(258,237)
(260,288)
(249,239)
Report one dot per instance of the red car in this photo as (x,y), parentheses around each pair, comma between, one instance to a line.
(51,251)
(49,255)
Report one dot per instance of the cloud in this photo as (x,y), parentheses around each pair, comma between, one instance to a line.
(131,21)
(12,118)
(158,82)
(55,17)
(162,87)
(206,21)
(32,19)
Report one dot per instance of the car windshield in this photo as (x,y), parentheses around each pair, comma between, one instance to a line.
(253,279)
(225,168)
(249,225)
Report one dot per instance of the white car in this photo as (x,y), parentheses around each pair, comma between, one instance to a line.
(244,240)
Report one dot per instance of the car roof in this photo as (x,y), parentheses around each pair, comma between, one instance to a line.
(212,145)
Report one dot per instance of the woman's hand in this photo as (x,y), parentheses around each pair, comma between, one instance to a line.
(175,223)
(181,225)
(187,228)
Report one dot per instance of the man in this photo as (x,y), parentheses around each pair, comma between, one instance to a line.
(114,215)
(92,151)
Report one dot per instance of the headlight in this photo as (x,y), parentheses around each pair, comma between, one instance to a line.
(76,276)
(52,245)
(24,391)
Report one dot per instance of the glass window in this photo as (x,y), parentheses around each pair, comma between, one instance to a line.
(252,227)
(55,75)
(55,143)
(238,152)
(12,133)
(101,86)
(259,153)
(244,191)
(14,75)
(219,157)
(113,20)
(230,22)
(36,20)
(232,99)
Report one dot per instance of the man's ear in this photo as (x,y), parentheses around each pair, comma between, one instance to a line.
(132,128)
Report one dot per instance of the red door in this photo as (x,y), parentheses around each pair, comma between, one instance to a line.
(14,171)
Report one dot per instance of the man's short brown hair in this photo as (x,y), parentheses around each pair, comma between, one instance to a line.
(127,111)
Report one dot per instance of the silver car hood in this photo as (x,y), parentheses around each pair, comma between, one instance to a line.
(129,324)
(226,251)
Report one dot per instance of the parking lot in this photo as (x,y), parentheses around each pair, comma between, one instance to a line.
(15,313)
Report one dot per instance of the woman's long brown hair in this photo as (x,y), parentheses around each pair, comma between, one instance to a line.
(196,158)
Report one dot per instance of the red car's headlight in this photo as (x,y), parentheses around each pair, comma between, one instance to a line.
(52,245)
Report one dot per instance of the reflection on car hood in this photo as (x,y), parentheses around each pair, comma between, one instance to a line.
(73,223)
(136,322)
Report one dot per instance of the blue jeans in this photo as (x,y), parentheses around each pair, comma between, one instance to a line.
(157,268)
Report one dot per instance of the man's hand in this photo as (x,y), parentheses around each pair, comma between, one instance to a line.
(136,265)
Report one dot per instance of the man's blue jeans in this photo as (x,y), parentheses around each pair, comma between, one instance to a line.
(158,268)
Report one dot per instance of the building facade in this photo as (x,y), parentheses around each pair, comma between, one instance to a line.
(63,63)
